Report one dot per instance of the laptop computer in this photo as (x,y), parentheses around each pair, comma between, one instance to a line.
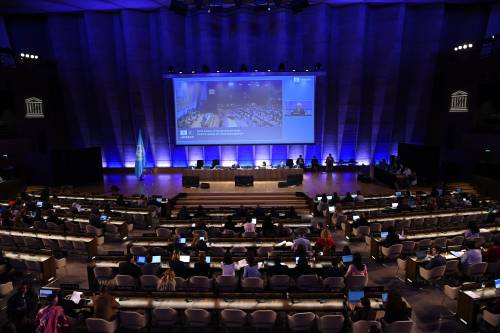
(208,259)
(156,260)
(39,204)
(454,248)
(329,197)
(355,217)
(421,254)
(46,292)
(254,220)
(457,254)
(185,259)
(331,209)
(384,296)
(355,295)
(140,260)
(497,284)
(104,218)
(398,194)
(384,234)
(347,259)
(182,240)
(394,205)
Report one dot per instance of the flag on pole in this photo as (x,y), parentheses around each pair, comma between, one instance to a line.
(140,157)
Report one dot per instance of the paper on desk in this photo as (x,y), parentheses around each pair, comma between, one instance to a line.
(472,294)
(76,296)
(242,263)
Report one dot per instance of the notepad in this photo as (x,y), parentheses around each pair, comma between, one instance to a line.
(457,254)
(472,294)
(76,296)
(242,263)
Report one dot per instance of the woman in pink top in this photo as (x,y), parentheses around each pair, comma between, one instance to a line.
(357,268)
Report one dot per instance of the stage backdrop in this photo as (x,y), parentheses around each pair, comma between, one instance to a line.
(380,62)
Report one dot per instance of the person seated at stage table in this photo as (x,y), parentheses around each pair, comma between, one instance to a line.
(348,198)
(251,269)
(325,242)
(395,308)
(129,267)
(361,222)
(198,244)
(268,227)
(471,256)
(228,265)
(472,232)
(334,270)
(149,268)
(363,312)
(437,258)
(201,267)
(167,281)
(492,254)
(248,226)
(329,163)
(278,268)
(392,237)
(301,241)
(177,265)
(359,197)
(105,306)
(314,164)
(259,212)
(300,162)
(229,224)
(183,213)
(357,268)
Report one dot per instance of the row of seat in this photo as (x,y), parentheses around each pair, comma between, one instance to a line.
(308,282)
(39,243)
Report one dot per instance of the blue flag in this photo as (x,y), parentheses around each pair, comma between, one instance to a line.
(140,157)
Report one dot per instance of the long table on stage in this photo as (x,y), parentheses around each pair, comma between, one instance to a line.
(229,173)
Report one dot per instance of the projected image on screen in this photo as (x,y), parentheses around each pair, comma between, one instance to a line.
(244,109)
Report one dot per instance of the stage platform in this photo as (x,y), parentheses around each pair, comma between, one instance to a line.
(228,174)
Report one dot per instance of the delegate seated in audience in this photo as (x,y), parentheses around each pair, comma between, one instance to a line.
(348,198)
(149,268)
(105,306)
(361,222)
(278,268)
(301,241)
(492,254)
(200,212)
(365,312)
(129,267)
(346,250)
(242,212)
(268,228)
(52,217)
(359,197)
(198,244)
(229,224)
(357,268)
(392,238)
(437,259)
(120,201)
(325,242)
(471,256)
(70,308)
(395,308)
(183,213)
(323,203)
(201,267)
(51,317)
(249,226)
(167,281)
(252,268)
(472,231)
(200,225)
(21,308)
(281,230)
(177,265)
(302,267)
(95,220)
(334,270)
(337,217)
(291,213)
(228,266)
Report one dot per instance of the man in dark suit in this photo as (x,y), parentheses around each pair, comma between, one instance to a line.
(300,162)
(329,163)
(129,267)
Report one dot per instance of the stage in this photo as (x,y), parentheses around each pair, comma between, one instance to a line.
(168,182)
(228,174)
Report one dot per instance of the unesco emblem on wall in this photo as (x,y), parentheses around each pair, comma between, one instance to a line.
(34,107)
(459,101)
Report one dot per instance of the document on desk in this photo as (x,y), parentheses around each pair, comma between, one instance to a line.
(76,296)
(472,294)
(242,263)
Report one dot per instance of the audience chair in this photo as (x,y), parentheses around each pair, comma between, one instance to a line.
(333,283)
(163,232)
(397,327)
(149,282)
(302,321)
(131,320)
(408,247)
(216,251)
(476,271)
(112,232)
(392,252)
(356,282)
(264,251)
(90,229)
(165,317)
(34,268)
(180,284)
(432,275)
(34,243)
(138,251)
(249,234)
(361,232)
(451,267)
(457,240)
(200,283)
(491,319)
(6,288)
(440,242)
(333,323)
(97,325)
(375,228)
(363,326)
(238,251)
(263,319)
(53,226)
(309,282)
(72,227)
(125,282)
(252,284)
(104,275)
(82,247)
(493,268)
(451,293)
(199,318)
(279,282)
(233,318)
(424,244)
(401,266)
(388,224)
(226,283)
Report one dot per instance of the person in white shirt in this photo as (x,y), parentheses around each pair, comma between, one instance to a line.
(471,256)
(249,226)
(301,241)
